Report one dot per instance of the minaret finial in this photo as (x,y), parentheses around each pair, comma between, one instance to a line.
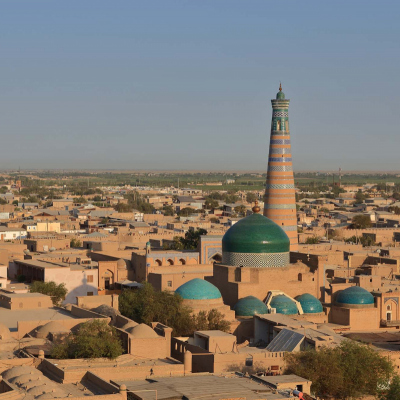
(256,209)
(280,86)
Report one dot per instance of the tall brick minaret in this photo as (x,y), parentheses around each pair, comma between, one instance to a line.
(279,198)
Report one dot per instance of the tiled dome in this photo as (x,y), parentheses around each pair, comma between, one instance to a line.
(309,303)
(249,306)
(198,289)
(283,305)
(355,296)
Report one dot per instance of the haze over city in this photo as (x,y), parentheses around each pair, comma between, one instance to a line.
(187,85)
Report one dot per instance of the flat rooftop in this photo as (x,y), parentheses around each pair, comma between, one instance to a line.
(10,318)
(208,387)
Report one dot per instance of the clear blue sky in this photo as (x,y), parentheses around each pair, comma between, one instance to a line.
(187,84)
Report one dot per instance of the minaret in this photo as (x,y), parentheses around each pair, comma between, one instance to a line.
(279,198)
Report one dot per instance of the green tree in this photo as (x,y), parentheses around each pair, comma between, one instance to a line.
(251,197)
(168,210)
(186,212)
(393,391)
(56,292)
(147,305)
(210,203)
(324,210)
(97,198)
(312,240)
(192,238)
(348,371)
(214,220)
(123,208)
(74,243)
(80,200)
(94,339)
(240,210)
(361,221)
(2,201)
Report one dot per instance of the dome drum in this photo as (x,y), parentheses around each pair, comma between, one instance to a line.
(256,260)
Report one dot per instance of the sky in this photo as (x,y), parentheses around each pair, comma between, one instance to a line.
(186,85)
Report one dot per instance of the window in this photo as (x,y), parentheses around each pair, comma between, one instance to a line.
(159,263)
(169,283)
(1,285)
(170,262)
(90,278)
(89,294)
(249,361)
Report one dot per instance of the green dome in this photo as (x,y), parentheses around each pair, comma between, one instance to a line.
(249,306)
(309,303)
(280,96)
(198,289)
(255,234)
(283,305)
(355,296)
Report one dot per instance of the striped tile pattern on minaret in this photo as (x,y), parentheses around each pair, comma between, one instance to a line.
(279,198)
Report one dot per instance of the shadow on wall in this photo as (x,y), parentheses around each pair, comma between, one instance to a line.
(85,289)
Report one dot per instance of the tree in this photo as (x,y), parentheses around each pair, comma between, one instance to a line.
(192,238)
(80,200)
(94,339)
(240,210)
(2,201)
(146,305)
(75,243)
(210,203)
(56,292)
(348,371)
(312,240)
(324,210)
(168,210)
(251,197)
(214,220)
(393,392)
(97,198)
(186,212)
(361,221)
(123,208)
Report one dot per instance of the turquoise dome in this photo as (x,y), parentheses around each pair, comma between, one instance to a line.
(249,306)
(283,305)
(198,289)
(355,296)
(309,303)
(255,234)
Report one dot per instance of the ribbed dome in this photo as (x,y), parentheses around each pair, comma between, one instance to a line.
(355,296)
(249,306)
(283,305)
(255,234)
(198,289)
(309,303)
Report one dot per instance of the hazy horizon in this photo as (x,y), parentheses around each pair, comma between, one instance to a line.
(178,85)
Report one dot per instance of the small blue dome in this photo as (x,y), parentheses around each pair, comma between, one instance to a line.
(249,306)
(283,305)
(198,289)
(309,303)
(355,296)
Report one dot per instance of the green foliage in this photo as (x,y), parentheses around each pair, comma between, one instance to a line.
(147,305)
(366,241)
(94,339)
(15,202)
(168,211)
(393,391)
(324,210)
(189,242)
(240,210)
(395,210)
(349,371)
(210,203)
(360,197)
(312,240)
(21,278)
(97,198)
(361,221)
(74,243)
(56,292)
(80,200)
(251,197)
(214,220)
(137,202)
(186,212)
(2,201)
(123,208)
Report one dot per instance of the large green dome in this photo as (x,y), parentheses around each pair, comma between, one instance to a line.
(309,303)
(249,306)
(255,234)
(198,289)
(355,296)
(283,305)
(255,241)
